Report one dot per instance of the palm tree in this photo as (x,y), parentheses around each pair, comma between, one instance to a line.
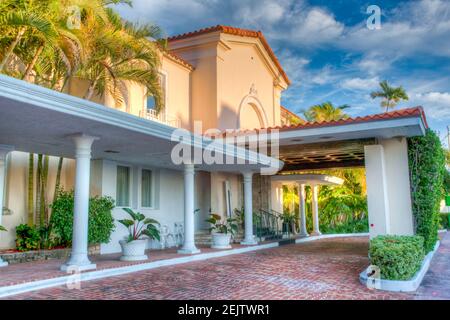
(119,52)
(391,95)
(326,112)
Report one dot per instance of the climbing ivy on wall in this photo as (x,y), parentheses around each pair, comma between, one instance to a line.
(427,168)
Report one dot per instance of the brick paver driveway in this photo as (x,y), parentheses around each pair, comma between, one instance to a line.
(324,269)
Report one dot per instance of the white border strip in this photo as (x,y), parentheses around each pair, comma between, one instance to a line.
(402,285)
(331,236)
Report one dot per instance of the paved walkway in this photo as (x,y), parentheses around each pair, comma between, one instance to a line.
(323,269)
(436,283)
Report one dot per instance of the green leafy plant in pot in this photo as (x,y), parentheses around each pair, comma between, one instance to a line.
(221,231)
(140,229)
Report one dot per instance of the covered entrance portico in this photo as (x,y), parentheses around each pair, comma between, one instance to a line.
(37,120)
(377,143)
(314,181)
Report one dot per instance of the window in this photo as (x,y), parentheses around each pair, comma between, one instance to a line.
(123,186)
(146,189)
(150,104)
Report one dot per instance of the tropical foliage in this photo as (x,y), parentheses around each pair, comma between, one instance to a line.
(326,112)
(427,169)
(229,225)
(101,222)
(391,96)
(342,209)
(50,42)
(2,228)
(139,226)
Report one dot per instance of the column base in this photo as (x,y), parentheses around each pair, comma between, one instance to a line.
(189,251)
(251,242)
(78,263)
(303,234)
(78,268)
(316,233)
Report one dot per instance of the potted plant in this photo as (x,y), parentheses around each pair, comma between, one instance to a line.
(221,231)
(140,230)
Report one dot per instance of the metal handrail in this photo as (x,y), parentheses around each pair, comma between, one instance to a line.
(268,224)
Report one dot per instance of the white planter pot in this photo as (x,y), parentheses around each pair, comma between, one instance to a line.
(134,250)
(221,240)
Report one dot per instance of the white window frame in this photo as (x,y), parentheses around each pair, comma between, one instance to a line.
(130,185)
(153,188)
(166,90)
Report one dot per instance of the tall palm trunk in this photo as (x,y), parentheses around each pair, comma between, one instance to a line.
(91,89)
(58,178)
(11,48)
(43,199)
(30,67)
(30,204)
(38,189)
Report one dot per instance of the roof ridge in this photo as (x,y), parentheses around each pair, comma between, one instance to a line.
(238,32)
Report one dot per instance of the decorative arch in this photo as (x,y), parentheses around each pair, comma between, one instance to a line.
(252,101)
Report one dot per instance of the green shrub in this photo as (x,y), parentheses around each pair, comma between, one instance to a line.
(351,226)
(445,221)
(427,169)
(398,257)
(27,238)
(101,222)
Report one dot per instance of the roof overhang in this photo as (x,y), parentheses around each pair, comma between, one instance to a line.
(380,129)
(312,179)
(38,120)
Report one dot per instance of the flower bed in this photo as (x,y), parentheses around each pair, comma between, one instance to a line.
(13,256)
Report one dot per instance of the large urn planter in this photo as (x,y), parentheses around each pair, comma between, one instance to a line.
(221,240)
(221,231)
(133,250)
(140,230)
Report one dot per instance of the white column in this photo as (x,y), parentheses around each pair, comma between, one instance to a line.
(302,209)
(249,238)
(189,236)
(377,191)
(79,260)
(4,150)
(315,210)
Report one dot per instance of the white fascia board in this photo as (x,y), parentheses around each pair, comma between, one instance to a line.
(352,128)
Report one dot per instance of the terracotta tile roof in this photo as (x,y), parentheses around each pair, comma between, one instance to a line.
(174,57)
(283,109)
(397,114)
(237,32)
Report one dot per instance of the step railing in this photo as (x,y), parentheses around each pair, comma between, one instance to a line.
(268,225)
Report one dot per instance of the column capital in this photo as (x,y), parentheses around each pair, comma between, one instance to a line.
(247,175)
(83,140)
(189,168)
(4,150)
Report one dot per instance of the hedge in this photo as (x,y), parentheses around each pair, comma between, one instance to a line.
(101,222)
(398,257)
(427,169)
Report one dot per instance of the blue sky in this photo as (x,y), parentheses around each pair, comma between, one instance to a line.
(327,50)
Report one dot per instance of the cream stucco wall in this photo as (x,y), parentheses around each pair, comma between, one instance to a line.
(16,191)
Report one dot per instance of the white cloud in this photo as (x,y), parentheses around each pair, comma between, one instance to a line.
(436,104)
(316,26)
(360,84)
